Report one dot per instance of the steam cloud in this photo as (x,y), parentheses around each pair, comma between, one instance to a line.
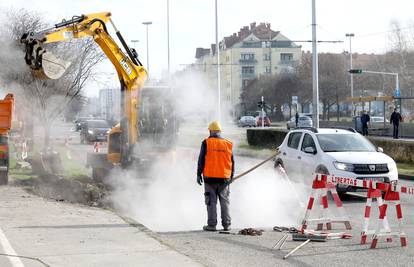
(166,197)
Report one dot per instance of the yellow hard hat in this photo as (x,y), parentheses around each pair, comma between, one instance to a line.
(214,126)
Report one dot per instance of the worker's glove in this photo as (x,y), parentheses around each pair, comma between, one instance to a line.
(199,179)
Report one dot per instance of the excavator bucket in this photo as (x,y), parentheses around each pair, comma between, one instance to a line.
(44,64)
(51,67)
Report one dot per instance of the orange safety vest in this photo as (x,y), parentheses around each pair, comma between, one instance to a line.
(218,162)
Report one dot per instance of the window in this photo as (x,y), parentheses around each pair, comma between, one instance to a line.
(268,70)
(293,141)
(308,142)
(286,57)
(245,82)
(248,56)
(266,56)
(248,70)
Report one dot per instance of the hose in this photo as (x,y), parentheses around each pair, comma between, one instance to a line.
(256,166)
(26,257)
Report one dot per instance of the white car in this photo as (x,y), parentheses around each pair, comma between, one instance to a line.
(340,152)
(303,121)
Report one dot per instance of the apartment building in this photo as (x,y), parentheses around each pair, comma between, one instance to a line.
(253,51)
(109,103)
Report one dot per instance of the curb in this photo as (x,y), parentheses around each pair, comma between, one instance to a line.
(406,177)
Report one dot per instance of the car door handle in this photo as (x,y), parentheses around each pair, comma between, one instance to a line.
(299,157)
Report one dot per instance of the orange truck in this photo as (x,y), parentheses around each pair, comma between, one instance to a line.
(6,111)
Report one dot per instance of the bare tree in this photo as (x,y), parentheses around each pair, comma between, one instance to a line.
(46,100)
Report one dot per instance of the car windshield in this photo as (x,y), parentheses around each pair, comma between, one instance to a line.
(304,118)
(344,142)
(98,124)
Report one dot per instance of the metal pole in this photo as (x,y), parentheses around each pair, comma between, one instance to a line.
(135,42)
(350,35)
(315,85)
(218,67)
(168,38)
(148,62)
(262,115)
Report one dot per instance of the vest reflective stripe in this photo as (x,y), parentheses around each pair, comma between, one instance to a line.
(218,158)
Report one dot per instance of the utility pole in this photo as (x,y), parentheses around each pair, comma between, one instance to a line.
(168,39)
(350,35)
(262,115)
(148,64)
(315,83)
(218,67)
(135,42)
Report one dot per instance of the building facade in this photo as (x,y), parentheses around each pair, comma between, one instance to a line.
(109,103)
(244,56)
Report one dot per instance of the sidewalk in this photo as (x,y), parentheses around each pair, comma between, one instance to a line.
(64,234)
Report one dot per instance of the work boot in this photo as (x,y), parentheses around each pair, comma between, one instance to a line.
(209,228)
(226,228)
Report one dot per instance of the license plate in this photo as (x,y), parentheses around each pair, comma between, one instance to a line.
(377,179)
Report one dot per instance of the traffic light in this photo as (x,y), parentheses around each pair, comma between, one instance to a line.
(356,71)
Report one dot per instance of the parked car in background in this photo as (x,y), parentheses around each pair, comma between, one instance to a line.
(375,119)
(339,152)
(303,121)
(94,131)
(78,122)
(247,121)
(266,121)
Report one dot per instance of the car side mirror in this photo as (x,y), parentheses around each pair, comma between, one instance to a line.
(379,149)
(310,150)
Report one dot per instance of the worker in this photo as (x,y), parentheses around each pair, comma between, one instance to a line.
(395,121)
(216,169)
(364,120)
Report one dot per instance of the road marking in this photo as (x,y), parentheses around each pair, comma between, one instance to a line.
(8,249)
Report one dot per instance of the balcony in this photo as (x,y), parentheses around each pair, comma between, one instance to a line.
(248,74)
(248,61)
(288,62)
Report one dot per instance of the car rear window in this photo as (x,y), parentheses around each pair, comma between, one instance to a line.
(293,141)
(98,124)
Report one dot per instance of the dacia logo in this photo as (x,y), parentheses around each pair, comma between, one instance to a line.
(371,167)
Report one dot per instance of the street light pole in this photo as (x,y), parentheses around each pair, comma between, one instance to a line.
(315,83)
(147,23)
(218,67)
(168,38)
(134,42)
(350,35)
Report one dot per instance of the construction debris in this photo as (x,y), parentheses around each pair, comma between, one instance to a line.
(251,231)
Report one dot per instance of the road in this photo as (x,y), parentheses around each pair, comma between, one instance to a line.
(170,204)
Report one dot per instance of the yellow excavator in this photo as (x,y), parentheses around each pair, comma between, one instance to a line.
(131,74)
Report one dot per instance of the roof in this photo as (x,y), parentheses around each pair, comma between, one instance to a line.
(261,31)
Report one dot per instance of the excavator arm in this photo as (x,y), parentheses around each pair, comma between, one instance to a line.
(131,73)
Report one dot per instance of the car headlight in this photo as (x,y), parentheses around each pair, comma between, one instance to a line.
(343,166)
(90,132)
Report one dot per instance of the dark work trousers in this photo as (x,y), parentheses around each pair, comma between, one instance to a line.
(222,192)
(395,132)
(364,129)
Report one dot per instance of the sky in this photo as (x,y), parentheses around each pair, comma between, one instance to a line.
(192,24)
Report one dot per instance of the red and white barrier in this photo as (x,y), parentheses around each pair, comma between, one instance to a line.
(320,188)
(371,194)
(97,147)
(375,189)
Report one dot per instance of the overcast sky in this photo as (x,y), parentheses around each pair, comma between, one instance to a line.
(192,22)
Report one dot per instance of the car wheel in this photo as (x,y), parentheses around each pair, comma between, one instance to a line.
(280,168)
(4,177)
(322,170)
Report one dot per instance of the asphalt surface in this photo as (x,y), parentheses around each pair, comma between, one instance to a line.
(47,235)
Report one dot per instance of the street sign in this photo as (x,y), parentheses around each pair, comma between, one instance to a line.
(397,92)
